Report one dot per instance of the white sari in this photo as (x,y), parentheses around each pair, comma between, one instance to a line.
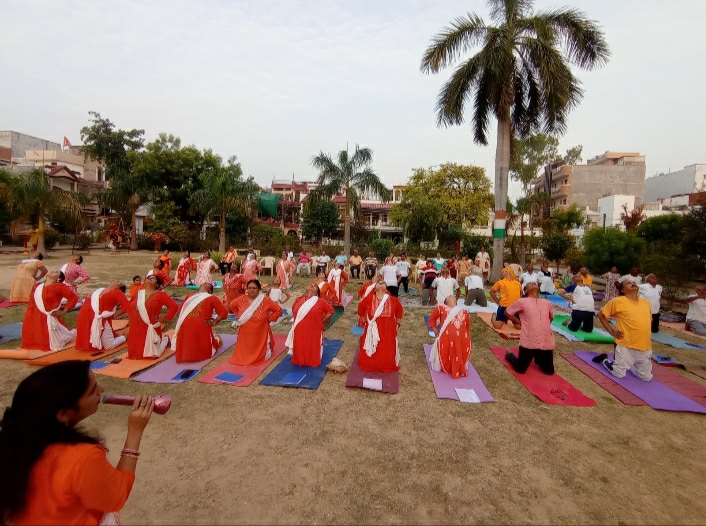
(59,336)
(335,277)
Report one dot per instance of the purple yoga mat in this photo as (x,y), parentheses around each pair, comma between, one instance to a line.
(165,372)
(445,386)
(653,393)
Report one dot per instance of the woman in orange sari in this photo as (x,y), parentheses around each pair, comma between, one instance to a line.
(233,285)
(250,268)
(167,259)
(306,338)
(452,325)
(326,289)
(51,472)
(381,315)
(187,265)
(255,311)
(145,339)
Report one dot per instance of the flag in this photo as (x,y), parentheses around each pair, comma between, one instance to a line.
(66,142)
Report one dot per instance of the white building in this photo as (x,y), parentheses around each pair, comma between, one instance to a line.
(610,208)
(685,181)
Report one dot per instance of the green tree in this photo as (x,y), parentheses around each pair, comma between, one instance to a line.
(417,214)
(555,246)
(320,219)
(165,220)
(382,248)
(604,249)
(521,76)
(33,196)
(573,155)
(664,259)
(529,156)
(668,227)
(224,190)
(568,219)
(350,175)
(526,207)
(694,240)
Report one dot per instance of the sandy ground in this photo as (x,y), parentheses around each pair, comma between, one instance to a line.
(335,455)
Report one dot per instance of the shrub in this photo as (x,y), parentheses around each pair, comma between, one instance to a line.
(51,237)
(673,270)
(555,245)
(573,259)
(382,248)
(472,244)
(82,241)
(604,249)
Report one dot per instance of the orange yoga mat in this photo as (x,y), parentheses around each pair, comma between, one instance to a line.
(126,368)
(680,327)
(24,354)
(75,354)
(508,331)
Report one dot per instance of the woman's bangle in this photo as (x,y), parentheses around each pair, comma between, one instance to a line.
(130,453)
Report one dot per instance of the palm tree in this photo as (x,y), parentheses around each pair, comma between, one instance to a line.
(127,191)
(520,75)
(33,195)
(352,176)
(224,190)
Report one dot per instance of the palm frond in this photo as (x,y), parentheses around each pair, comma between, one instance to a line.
(452,97)
(362,157)
(368,181)
(508,11)
(463,34)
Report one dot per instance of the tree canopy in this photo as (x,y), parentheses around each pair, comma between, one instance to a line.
(320,219)
(604,249)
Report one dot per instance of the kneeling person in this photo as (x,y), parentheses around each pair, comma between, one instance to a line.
(453,338)
(306,338)
(509,292)
(145,339)
(94,324)
(582,306)
(193,339)
(381,315)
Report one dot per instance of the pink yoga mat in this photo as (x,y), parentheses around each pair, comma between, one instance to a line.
(446,386)
(7,303)
(250,373)
(346,300)
(654,393)
(550,389)
(166,372)
(390,381)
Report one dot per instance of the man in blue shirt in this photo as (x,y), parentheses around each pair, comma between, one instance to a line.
(341,259)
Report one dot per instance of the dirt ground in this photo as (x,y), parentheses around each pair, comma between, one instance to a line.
(261,455)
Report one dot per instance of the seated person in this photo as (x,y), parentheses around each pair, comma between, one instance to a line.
(193,338)
(696,316)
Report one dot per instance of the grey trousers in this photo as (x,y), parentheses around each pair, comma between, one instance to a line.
(477,295)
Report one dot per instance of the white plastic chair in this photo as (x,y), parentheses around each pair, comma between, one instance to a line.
(268,263)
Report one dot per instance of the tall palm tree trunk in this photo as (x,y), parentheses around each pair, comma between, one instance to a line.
(502,171)
(40,235)
(347,229)
(222,234)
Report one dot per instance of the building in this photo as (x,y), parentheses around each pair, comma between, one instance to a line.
(19,143)
(685,181)
(612,173)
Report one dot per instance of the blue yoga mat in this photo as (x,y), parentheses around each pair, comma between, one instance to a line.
(9,332)
(357,330)
(667,339)
(285,372)
(557,300)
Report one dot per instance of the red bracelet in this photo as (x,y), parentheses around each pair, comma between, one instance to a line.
(130,453)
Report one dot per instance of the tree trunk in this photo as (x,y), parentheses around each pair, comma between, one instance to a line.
(40,236)
(133,231)
(222,235)
(522,243)
(347,229)
(502,170)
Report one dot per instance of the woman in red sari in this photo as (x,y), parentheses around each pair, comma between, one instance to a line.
(159,269)
(255,311)
(94,323)
(44,303)
(452,326)
(187,265)
(193,337)
(306,339)
(381,315)
(145,308)
(233,285)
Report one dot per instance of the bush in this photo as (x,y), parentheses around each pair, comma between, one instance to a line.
(144,243)
(51,237)
(603,249)
(382,248)
(472,244)
(82,241)
(555,245)
(673,270)
(573,259)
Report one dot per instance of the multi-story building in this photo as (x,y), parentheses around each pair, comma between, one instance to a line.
(19,143)
(685,181)
(613,173)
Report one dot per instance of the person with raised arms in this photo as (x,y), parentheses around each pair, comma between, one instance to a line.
(186,266)
(53,472)
(338,279)
(452,347)
(94,325)
(159,269)
(285,269)
(204,268)
(305,340)
(193,338)
(326,289)
(381,315)
(255,311)
(145,339)
(42,328)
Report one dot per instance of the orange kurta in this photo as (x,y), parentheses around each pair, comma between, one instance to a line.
(251,347)
(455,342)
(74,484)
(284,270)
(107,302)
(326,291)
(138,329)
(186,265)
(196,341)
(309,335)
(338,299)
(167,260)
(134,289)
(35,333)
(363,289)
(164,276)
(234,287)
(250,270)
(384,360)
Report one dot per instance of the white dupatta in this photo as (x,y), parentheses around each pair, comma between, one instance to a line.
(335,277)
(186,309)
(59,336)
(301,314)
(372,335)
(370,288)
(97,326)
(434,358)
(152,340)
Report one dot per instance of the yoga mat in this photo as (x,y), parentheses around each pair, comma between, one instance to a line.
(167,372)
(249,373)
(558,301)
(661,337)
(654,393)
(429,331)
(681,328)
(680,384)
(617,391)
(74,354)
(390,381)
(445,386)
(358,331)
(695,369)
(120,324)
(314,375)
(338,311)
(126,368)
(13,331)
(597,336)
(550,389)
(507,331)
(7,303)
(672,318)
(565,333)
(666,361)
(491,308)
(346,300)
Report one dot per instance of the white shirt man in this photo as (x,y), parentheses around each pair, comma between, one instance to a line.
(696,317)
(582,299)
(528,276)
(474,290)
(651,294)
(473,282)
(483,255)
(444,286)
(403,267)
(389,274)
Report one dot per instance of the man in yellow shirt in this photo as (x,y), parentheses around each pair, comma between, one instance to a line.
(633,336)
(509,293)
(356,262)
(587,278)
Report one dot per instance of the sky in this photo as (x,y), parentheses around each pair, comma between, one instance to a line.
(275,82)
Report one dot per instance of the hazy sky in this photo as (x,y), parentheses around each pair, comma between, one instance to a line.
(275,81)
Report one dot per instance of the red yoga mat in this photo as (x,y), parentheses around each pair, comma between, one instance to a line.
(550,389)
(249,372)
(7,303)
(609,385)
(390,381)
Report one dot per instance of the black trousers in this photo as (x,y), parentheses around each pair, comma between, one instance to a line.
(355,271)
(225,267)
(405,283)
(394,291)
(543,359)
(428,282)
(370,271)
(655,322)
(581,320)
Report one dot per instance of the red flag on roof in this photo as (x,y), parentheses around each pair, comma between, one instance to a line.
(66,142)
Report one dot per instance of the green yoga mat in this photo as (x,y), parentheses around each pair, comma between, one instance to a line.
(597,336)
(337,313)
(463,293)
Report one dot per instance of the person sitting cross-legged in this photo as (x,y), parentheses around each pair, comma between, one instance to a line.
(582,306)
